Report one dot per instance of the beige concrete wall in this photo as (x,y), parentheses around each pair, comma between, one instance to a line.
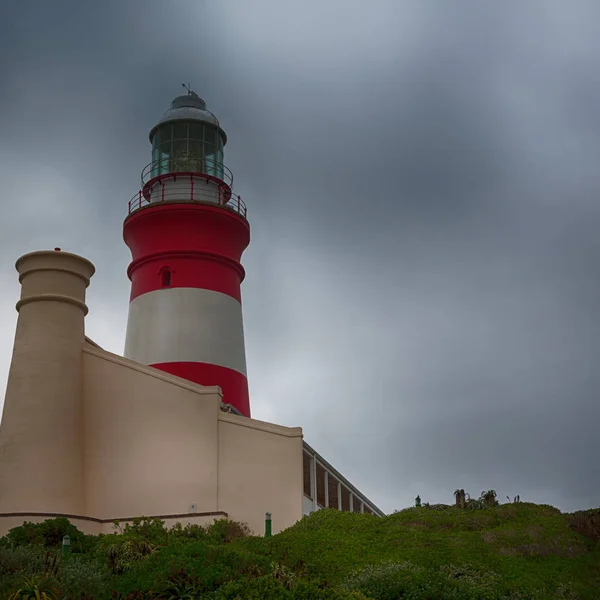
(260,470)
(150,440)
(41,437)
(89,433)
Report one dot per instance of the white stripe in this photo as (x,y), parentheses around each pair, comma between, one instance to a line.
(186,325)
(180,189)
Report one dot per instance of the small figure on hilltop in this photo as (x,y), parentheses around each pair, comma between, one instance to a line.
(418,501)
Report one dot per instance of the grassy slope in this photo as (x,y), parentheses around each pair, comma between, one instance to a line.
(529,545)
(531,548)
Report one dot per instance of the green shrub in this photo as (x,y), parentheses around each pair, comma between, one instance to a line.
(152,530)
(189,532)
(224,531)
(22,559)
(385,581)
(214,565)
(83,577)
(182,586)
(49,534)
(36,588)
(389,581)
(269,587)
(124,553)
(587,523)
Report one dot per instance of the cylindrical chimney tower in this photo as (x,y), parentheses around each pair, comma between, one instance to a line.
(187,231)
(41,438)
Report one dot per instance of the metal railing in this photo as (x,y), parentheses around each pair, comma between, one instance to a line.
(187,164)
(191,192)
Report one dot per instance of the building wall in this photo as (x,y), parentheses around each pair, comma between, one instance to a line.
(159,446)
(150,440)
(156,445)
(97,437)
(260,471)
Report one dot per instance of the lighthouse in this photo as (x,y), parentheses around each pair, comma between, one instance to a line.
(186,230)
(65,444)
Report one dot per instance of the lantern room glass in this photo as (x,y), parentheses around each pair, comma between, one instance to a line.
(187,146)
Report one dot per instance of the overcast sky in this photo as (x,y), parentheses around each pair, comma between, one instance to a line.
(423,186)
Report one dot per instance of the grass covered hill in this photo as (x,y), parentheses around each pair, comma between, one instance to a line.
(514,551)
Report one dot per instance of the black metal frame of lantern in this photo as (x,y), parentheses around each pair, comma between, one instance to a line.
(188,145)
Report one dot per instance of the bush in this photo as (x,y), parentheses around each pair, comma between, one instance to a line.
(271,587)
(82,577)
(389,581)
(22,559)
(122,553)
(152,530)
(212,564)
(224,531)
(36,588)
(386,581)
(587,523)
(189,532)
(49,534)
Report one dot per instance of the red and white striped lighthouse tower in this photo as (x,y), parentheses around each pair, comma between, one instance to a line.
(187,231)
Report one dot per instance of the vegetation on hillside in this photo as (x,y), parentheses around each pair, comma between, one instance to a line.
(485,551)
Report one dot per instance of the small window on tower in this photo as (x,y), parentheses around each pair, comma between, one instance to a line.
(166,277)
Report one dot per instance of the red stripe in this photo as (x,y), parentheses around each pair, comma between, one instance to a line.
(188,270)
(233,384)
(201,244)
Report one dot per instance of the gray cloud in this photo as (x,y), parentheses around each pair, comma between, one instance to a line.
(422,184)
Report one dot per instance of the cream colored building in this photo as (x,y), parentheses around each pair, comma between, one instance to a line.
(96,437)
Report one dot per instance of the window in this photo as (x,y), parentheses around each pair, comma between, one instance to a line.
(345,498)
(179,157)
(166,277)
(185,146)
(196,131)
(333,491)
(307,469)
(210,135)
(210,159)
(180,130)
(320,485)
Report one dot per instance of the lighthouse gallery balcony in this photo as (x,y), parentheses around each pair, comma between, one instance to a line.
(187,180)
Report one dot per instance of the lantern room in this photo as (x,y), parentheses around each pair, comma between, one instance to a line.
(187,159)
(188,139)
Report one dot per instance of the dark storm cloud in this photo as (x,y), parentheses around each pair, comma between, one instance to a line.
(422,292)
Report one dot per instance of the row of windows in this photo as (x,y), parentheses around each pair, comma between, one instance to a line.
(187,130)
(190,147)
(187,162)
(338,495)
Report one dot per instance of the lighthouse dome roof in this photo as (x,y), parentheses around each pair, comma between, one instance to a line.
(189,107)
